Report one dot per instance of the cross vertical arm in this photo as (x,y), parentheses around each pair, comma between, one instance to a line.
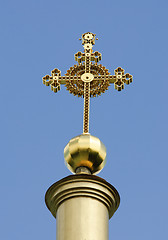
(86,107)
(86,110)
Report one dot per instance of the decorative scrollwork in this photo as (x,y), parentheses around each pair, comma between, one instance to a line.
(97,86)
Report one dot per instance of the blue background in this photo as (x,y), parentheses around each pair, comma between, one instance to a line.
(36,124)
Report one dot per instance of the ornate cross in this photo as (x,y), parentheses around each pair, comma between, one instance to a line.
(87,79)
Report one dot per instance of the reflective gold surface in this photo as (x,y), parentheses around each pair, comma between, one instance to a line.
(85,150)
(82,205)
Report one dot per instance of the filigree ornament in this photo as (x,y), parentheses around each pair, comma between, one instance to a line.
(88,78)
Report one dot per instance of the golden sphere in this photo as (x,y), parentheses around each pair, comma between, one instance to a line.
(87,151)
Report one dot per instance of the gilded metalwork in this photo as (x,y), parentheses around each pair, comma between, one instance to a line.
(85,151)
(88,78)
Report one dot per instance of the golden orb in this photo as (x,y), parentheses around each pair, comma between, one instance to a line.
(87,151)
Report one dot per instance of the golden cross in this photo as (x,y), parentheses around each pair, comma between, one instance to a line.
(87,79)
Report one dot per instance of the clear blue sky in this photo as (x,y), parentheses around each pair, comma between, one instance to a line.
(36,124)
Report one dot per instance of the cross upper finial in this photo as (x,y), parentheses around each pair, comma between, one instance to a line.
(87,78)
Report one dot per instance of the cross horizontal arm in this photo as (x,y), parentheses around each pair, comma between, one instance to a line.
(47,80)
(100,78)
(98,82)
(64,79)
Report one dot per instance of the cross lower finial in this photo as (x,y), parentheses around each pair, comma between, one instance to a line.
(87,78)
